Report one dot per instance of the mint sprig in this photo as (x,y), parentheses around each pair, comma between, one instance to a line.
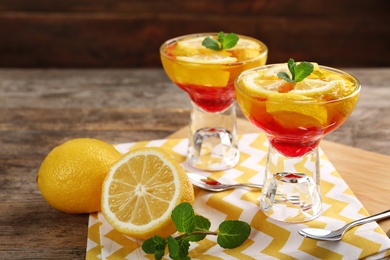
(223,41)
(298,71)
(231,234)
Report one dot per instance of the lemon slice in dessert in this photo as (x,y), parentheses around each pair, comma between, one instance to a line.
(189,47)
(294,110)
(246,44)
(257,85)
(289,109)
(246,49)
(192,43)
(208,58)
(318,87)
(192,50)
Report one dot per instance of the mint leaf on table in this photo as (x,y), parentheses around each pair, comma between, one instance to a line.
(223,41)
(173,247)
(201,224)
(298,71)
(183,216)
(184,246)
(155,245)
(233,233)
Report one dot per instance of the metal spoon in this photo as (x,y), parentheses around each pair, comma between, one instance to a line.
(210,184)
(327,235)
(213,185)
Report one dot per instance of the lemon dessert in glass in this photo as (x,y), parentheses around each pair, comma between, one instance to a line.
(207,74)
(295,104)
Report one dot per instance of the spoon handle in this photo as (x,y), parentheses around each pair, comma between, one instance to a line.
(252,185)
(379,216)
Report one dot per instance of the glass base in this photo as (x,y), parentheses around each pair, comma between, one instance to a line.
(213,149)
(291,191)
(213,142)
(291,197)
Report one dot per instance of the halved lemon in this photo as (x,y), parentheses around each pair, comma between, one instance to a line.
(141,190)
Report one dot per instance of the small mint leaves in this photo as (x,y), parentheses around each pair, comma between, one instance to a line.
(223,41)
(231,234)
(298,71)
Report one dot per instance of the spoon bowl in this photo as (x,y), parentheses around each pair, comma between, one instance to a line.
(336,235)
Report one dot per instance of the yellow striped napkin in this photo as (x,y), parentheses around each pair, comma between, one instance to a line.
(269,239)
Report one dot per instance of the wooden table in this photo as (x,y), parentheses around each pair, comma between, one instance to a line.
(40,109)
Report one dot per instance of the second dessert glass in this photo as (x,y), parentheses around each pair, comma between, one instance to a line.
(295,117)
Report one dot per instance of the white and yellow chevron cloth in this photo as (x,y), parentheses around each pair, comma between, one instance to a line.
(269,239)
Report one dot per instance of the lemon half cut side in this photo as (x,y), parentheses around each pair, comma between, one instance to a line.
(141,190)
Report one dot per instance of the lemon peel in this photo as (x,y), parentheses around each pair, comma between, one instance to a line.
(71,176)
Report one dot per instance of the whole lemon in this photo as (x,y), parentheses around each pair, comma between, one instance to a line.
(70,177)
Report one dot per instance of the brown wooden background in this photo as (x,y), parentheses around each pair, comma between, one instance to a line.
(128,33)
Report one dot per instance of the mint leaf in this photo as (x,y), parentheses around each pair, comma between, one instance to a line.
(302,70)
(201,224)
(221,37)
(173,247)
(212,44)
(183,216)
(178,249)
(298,72)
(149,246)
(232,233)
(155,245)
(291,67)
(223,41)
(230,41)
(184,247)
(285,76)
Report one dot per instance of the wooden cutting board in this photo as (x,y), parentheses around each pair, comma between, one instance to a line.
(366,173)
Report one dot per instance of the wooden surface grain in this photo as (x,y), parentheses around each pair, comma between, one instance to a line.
(128,33)
(40,109)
